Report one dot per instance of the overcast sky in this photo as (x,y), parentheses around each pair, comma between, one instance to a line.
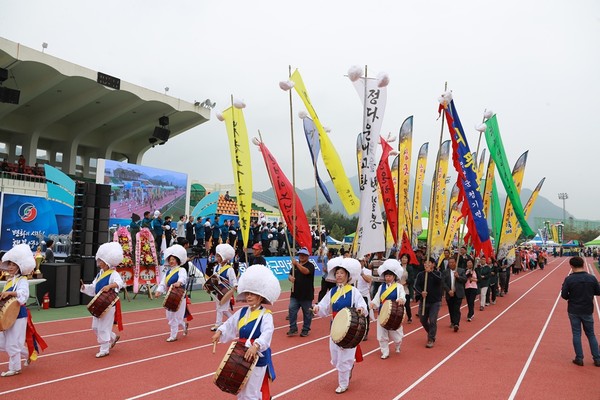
(536,64)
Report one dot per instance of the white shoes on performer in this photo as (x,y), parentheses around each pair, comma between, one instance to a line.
(385,356)
(102,354)
(185,329)
(397,347)
(171,339)
(9,373)
(340,389)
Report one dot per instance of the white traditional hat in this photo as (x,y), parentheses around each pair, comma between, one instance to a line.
(331,266)
(351,265)
(177,251)
(111,253)
(225,251)
(261,281)
(393,266)
(22,256)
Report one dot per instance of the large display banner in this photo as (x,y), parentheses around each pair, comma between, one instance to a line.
(136,189)
(280,266)
(30,219)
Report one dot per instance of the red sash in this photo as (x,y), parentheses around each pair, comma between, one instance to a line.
(118,315)
(34,341)
(358,355)
(188,314)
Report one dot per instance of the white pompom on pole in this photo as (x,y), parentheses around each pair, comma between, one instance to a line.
(390,138)
(286,85)
(219,116)
(239,103)
(394,153)
(487,114)
(302,114)
(445,98)
(383,79)
(481,127)
(355,73)
(256,141)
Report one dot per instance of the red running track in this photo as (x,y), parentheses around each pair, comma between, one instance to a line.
(519,348)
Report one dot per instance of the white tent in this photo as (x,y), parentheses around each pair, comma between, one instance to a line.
(538,241)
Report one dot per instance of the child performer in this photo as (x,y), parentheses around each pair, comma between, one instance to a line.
(254,325)
(175,256)
(343,295)
(108,256)
(394,291)
(19,263)
(226,274)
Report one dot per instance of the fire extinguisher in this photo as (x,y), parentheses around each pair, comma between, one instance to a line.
(46,301)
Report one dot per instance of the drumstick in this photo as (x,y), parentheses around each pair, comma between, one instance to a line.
(214,347)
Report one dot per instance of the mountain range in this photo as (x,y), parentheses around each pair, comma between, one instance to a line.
(543,208)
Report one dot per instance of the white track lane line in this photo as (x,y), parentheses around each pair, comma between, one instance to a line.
(432,370)
(293,348)
(533,351)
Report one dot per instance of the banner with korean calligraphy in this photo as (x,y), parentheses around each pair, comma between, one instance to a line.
(530,203)
(386,186)
(467,183)
(284,192)
(437,219)
(404,159)
(331,159)
(417,223)
(494,142)
(370,232)
(507,240)
(242,167)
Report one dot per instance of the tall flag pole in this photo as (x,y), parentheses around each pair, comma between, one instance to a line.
(417,222)
(373,94)
(386,187)
(467,179)
(284,192)
(403,172)
(496,147)
(240,160)
(293,249)
(330,156)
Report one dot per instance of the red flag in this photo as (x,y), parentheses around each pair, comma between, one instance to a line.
(412,257)
(284,193)
(386,186)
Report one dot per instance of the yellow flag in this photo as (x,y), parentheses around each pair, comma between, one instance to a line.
(417,226)
(530,204)
(437,219)
(331,159)
(242,168)
(403,172)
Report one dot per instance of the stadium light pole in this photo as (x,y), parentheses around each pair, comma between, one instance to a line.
(563,197)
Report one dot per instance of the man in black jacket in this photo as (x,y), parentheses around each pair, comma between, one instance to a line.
(453,283)
(428,290)
(579,289)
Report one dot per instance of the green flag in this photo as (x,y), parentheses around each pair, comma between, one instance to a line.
(494,142)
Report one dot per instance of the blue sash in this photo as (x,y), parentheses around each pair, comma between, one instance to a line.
(245,331)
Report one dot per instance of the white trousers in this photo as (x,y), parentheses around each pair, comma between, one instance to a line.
(103,327)
(176,319)
(12,341)
(482,296)
(222,310)
(384,336)
(343,361)
(252,389)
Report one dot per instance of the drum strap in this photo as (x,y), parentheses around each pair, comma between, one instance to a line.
(170,275)
(387,292)
(13,283)
(248,318)
(340,292)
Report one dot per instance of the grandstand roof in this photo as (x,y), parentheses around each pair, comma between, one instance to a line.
(63,108)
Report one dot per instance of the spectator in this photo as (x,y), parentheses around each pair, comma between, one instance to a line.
(21,164)
(49,256)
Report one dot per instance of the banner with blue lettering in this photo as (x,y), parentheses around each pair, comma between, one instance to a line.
(279,265)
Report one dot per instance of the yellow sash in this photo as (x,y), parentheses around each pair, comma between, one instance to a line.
(387,292)
(347,288)
(173,272)
(12,283)
(251,316)
(227,266)
(104,274)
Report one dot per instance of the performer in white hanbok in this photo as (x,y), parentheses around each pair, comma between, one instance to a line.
(343,295)
(176,276)
(225,274)
(253,325)
(108,256)
(392,271)
(18,262)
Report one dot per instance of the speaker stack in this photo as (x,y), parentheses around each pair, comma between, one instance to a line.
(90,218)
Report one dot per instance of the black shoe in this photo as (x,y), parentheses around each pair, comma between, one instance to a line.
(304,334)
(579,361)
(292,332)
(597,363)
(287,317)
(455,328)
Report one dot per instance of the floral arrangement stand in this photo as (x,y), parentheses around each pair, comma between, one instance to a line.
(125,269)
(146,271)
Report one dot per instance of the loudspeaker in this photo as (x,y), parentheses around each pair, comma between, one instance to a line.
(73,284)
(88,270)
(10,96)
(56,275)
(161,133)
(163,121)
